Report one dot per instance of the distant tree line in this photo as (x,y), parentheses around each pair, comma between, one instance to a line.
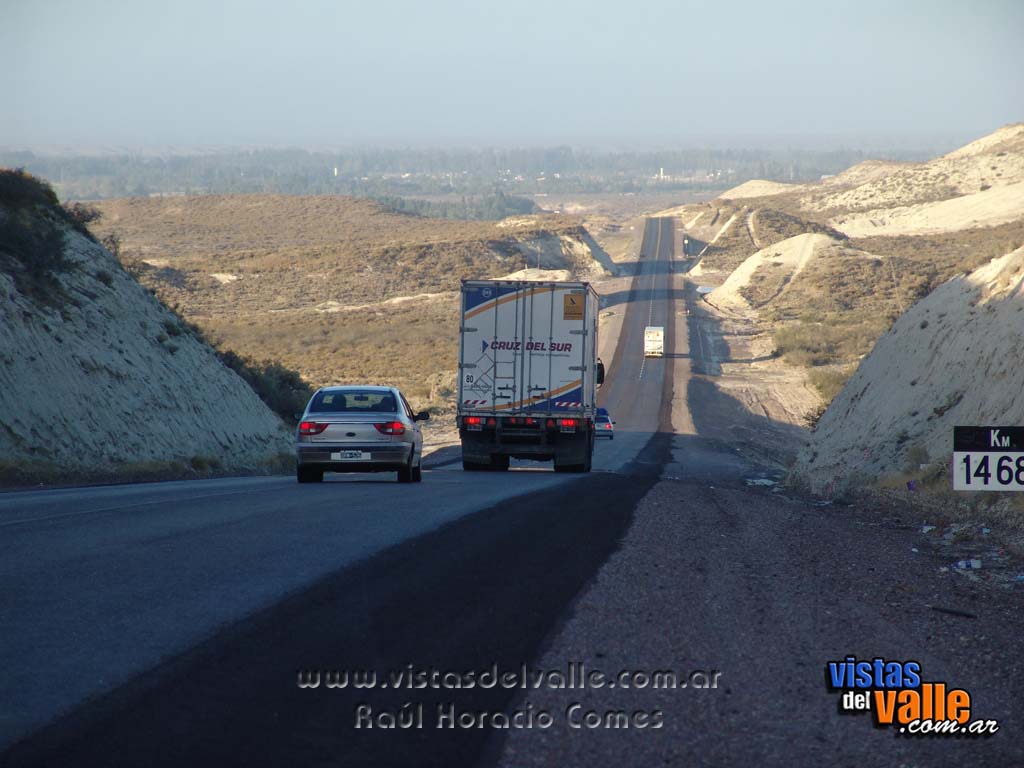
(422,172)
(489,208)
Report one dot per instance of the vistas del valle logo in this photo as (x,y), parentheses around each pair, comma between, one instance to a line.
(897,697)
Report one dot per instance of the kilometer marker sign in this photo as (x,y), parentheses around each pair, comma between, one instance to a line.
(988,458)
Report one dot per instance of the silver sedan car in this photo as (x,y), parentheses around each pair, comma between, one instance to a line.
(359,429)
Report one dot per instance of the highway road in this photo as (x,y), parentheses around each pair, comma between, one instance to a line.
(106,586)
(169,624)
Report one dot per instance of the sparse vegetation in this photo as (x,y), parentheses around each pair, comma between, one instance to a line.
(206,464)
(773,226)
(32,236)
(486,208)
(282,389)
(765,284)
(836,339)
(80,216)
(829,381)
(173,328)
(272,279)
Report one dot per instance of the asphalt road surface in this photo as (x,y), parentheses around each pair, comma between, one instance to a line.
(168,624)
(108,586)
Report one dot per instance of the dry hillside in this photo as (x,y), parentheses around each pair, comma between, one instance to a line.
(98,378)
(335,288)
(953,358)
(885,236)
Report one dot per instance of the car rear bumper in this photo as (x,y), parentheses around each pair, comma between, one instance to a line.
(382,458)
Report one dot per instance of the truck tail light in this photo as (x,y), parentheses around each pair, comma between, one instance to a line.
(550,424)
(311,428)
(567,425)
(391,428)
(517,421)
(473,423)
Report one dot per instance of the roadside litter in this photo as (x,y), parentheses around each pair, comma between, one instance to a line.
(974,564)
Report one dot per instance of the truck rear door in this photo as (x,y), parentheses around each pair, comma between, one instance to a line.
(522,347)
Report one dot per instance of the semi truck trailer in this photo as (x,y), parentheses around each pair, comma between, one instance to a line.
(528,373)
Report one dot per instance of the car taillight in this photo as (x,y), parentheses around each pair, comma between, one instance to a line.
(607,426)
(311,428)
(391,428)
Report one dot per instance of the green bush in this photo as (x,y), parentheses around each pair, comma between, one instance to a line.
(829,381)
(22,190)
(282,389)
(833,340)
(173,328)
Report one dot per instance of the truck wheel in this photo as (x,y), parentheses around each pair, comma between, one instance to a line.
(472,466)
(499,463)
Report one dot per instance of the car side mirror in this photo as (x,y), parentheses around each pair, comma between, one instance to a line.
(421,416)
(614,422)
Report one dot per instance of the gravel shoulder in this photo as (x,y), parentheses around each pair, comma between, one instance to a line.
(766,590)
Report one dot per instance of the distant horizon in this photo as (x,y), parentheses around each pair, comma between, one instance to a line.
(915,142)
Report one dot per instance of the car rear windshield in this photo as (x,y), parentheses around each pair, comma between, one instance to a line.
(354,401)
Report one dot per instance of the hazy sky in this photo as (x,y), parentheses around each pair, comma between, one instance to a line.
(317,72)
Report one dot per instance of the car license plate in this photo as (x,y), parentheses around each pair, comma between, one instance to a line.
(350,456)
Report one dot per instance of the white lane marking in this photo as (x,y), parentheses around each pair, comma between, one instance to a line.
(170,500)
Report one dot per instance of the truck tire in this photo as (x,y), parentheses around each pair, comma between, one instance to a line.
(472,466)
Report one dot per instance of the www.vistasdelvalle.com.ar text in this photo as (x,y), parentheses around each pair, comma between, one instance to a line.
(574,676)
